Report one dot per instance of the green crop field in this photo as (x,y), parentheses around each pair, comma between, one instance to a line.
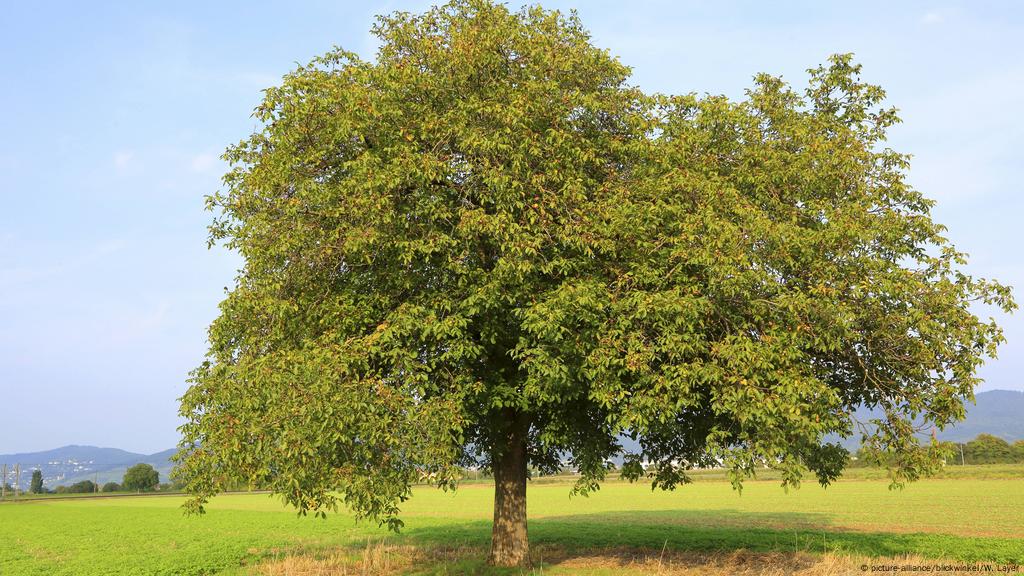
(962,520)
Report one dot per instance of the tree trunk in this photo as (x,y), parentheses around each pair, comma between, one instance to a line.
(509,543)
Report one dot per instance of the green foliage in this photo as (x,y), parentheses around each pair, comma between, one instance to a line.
(141,477)
(83,487)
(489,220)
(36,485)
(985,449)
(111,487)
(988,449)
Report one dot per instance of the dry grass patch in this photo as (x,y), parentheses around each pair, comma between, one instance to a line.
(377,557)
(380,558)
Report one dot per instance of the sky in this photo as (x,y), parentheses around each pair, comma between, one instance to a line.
(114,116)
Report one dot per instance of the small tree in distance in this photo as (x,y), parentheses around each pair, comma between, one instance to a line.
(141,478)
(36,485)
(83,487)
(111,487)
(485,248)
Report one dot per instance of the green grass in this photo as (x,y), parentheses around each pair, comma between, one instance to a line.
(971,471)
(64,495)
(964,520)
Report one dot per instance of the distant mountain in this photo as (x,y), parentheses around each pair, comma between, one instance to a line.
(996,412)
(71,464)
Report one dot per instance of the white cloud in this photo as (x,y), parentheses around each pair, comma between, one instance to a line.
(932,18)
(134,325)
(122,158)
(34,273)
(105,247)
(961,173)
(258,80)
(203,162)
(962,138)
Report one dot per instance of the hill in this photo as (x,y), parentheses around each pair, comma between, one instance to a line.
(996,412)
(70,464)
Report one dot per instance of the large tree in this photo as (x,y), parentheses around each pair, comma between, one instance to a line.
(485,247)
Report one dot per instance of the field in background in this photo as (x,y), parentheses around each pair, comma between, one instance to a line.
(703,526)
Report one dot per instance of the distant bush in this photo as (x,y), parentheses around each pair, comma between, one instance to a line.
(83,487)
(111,487)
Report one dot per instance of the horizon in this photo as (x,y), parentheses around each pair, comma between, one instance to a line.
(116,126)
(156,452)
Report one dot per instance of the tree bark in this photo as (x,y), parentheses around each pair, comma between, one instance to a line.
(509,543)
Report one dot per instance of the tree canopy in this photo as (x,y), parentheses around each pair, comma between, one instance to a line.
(989,449)
(485,247)
(82,487)
(141,477)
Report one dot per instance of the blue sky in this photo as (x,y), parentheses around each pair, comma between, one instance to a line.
(115,114)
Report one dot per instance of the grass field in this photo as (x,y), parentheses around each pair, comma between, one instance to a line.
(622,526)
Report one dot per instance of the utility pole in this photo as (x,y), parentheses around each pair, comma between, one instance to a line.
(3,484)
(17,479)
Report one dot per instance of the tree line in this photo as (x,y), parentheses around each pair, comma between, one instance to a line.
(984,449)
(139,478)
